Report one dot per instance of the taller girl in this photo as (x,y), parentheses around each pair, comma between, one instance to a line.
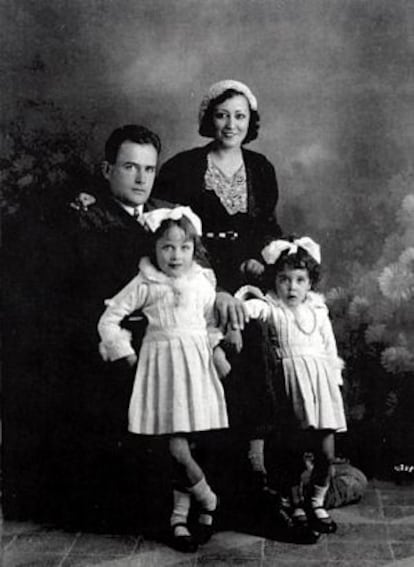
(177,391)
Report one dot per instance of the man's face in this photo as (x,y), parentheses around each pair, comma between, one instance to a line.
(132,175)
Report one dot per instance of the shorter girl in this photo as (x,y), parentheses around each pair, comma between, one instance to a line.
(305,347)
(177,390)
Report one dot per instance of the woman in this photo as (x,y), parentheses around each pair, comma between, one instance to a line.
(232,189)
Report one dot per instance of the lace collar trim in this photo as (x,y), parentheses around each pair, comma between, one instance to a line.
(232,191)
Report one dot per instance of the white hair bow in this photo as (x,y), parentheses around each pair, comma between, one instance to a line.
(272,251)
(153,219)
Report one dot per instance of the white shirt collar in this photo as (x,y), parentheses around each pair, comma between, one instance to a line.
(129,209)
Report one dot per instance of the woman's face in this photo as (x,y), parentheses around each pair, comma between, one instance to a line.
(231,121)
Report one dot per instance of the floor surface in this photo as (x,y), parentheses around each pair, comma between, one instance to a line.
(378,531)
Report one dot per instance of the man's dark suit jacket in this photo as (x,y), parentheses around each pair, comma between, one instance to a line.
(64,410)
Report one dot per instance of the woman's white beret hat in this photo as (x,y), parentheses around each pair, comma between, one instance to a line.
(219,88)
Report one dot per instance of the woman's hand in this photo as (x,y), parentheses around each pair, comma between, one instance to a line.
(230,311)
(234,339)
(131,360)
(252,267)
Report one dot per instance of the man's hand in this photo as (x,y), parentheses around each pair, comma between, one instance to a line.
(252,268)
(230,311)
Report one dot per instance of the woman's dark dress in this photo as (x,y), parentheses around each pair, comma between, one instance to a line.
(250,391)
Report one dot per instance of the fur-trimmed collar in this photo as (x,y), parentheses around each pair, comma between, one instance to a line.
(153,274)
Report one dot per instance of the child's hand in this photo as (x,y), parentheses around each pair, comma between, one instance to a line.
(131,360)
(234,339)
(221,363)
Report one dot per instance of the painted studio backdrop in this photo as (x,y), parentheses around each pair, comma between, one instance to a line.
(334,83)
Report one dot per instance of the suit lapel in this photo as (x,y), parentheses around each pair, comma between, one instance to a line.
(122,217)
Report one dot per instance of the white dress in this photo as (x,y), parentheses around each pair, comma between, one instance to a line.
(176,387)
(307,348)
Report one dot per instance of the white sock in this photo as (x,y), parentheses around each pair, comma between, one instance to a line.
(318,500)
(182,502)
(206,497)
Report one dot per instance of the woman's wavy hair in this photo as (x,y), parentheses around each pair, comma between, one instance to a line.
(207,129)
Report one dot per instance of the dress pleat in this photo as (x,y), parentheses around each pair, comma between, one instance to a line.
(311,366)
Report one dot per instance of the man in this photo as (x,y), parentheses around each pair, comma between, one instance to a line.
(62,260)
(105,239)
(72,406)
(107,230)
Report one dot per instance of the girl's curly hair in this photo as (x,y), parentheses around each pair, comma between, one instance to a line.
(300,260)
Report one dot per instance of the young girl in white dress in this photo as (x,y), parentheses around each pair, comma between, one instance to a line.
(177,389)
(305,347)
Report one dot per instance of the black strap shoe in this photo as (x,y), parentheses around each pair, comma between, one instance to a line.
(321,521)
(184,543)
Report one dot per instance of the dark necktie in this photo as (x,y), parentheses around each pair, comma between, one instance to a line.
(139,216)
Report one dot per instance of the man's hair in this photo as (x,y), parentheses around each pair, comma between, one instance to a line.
(207,128)
(131,133)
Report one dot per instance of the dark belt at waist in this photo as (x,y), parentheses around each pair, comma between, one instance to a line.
(227,235)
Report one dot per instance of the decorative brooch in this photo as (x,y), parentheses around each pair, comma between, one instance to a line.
(83,201)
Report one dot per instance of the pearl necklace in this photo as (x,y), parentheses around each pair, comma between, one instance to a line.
(299,325)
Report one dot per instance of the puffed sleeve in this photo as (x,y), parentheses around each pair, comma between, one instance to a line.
(116,341)
(258,309)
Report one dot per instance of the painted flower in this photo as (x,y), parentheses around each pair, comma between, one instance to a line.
(407,204)
(396,282)
(407,258)
(25,180)
(83,201)
(397,359)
